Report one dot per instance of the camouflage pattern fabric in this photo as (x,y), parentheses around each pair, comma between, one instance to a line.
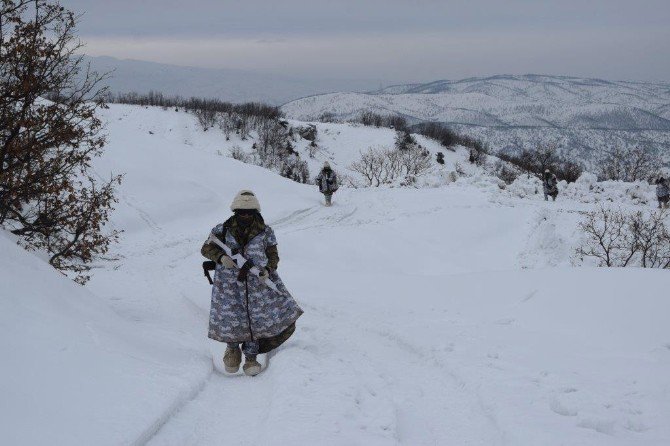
(550,185)
(248,311)
(269,344)
(249,348)
(327,181)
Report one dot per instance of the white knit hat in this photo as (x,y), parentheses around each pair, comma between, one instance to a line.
(245,199)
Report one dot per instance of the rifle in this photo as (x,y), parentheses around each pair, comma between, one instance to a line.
(208,266)
(240,260)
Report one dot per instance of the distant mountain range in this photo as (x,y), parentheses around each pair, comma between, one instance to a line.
(225,84)
(507,112)
(512,111)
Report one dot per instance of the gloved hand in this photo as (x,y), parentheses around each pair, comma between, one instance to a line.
(227,262)
(264,274)
(244,271)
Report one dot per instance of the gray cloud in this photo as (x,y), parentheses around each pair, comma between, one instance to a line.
(391,39)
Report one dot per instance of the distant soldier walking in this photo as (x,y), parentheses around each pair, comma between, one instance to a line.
(550,185)
(327,182)
(662,192)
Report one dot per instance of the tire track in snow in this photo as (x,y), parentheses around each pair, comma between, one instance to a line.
(152,430)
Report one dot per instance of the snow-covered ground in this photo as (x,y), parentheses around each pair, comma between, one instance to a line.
(443,315)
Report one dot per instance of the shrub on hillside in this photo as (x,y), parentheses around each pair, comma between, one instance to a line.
(535,162)
(627,164)
(383,166)
(505,172)
(618,239)
(371,119)
(238,154)
(49,195)
(295,169)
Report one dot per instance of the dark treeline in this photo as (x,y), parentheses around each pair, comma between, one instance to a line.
(448,137)
(439,132)
(535,162)
(157,99)
(371,119)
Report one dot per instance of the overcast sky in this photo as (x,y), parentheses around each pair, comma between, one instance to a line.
(393,40)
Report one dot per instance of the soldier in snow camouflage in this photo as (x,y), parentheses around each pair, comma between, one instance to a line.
(327,182)
(662,192)
(244,310)
(549,185)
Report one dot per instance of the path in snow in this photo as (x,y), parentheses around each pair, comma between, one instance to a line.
(457,346)
(346,377)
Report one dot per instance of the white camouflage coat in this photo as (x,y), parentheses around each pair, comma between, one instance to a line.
(327,181)
(249,311)
(550,185)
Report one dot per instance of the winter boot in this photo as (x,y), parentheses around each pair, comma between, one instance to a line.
(232,359)
(251,366)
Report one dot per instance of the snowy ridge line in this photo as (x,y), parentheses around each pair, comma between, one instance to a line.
(512,111)
(179,403)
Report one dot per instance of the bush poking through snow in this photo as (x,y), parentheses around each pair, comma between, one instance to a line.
(652,238)
(295,169)
(383,166)
(372,165)
(505,172)
(617,239)
(536,161)
(238,154)
(627,164)
(371,119)
(206,118)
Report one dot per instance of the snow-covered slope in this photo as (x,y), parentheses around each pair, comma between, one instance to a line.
(74,372)
(517,110)
(511,101)
(433,316)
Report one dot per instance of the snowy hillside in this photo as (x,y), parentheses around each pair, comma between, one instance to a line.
(578,113)
(441,315)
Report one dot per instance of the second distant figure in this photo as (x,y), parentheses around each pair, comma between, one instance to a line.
(550,185)
(327,182)
(662,192)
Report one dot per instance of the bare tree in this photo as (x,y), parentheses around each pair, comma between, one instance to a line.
(226,124)
(414,161)
(295,169)
(383,166)
(652,238)
(618,239)
(272,138)
(547,157)
(207,117)
(506,172)
(48,194)
(607,238)
(370,166)
(627,164)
